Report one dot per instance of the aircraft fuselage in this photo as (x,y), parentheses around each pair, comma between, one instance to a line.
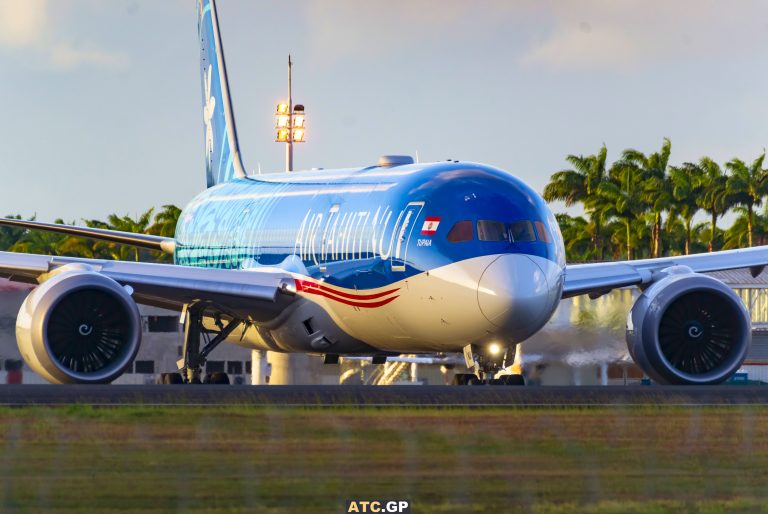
(410,258)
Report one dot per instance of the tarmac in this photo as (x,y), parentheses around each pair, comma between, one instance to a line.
(382,396)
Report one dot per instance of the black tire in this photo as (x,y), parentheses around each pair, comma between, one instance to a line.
(474,381)
(169,379)
(513,380)
(217,378)
(462,379)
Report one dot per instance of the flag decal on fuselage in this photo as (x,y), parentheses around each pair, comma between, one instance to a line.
(430,226)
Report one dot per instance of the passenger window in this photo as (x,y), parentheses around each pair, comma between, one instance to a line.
(492,231)
(522,231)
(461,231)
(543,233)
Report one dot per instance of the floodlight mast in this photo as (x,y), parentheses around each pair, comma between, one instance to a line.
(289,146)
(289,122)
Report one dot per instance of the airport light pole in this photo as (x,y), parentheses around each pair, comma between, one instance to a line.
(289,122)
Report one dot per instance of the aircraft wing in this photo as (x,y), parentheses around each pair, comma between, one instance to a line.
(161,244)
(257,295)
(599,278)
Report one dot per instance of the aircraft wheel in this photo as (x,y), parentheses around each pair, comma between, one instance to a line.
(513,380)
(217,378)
(169,378)
(462,379)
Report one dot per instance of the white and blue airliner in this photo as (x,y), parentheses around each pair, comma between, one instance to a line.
(385,259)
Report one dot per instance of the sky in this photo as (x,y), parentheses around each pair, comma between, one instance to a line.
(103,110)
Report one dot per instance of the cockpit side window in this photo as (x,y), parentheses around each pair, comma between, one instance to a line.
(522,231)
(461,231)
(492,231)
(543,233)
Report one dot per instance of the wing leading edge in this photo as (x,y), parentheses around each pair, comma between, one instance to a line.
(161,244)
(255,295)
(599,278)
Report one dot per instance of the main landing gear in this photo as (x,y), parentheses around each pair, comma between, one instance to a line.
(488,361)
(193,356)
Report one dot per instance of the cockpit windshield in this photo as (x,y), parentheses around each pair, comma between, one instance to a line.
(514,232)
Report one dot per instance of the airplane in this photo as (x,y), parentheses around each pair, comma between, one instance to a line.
(391,258)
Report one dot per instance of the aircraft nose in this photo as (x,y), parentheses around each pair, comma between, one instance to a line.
(513,294)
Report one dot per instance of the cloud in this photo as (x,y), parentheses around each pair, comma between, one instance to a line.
(27,25)
(350,27)
(573,48)
(629,35)
(22,23)
(65,56)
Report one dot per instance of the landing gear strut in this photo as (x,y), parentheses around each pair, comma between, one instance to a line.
(487,361)
(193,357)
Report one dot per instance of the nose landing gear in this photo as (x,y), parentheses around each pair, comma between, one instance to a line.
(488,361)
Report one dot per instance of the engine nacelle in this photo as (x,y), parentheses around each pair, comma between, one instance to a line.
(688,328)
(79,327)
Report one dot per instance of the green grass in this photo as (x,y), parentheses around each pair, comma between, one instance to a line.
(301,460)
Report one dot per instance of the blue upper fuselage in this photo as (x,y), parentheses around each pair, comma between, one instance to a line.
(367,227)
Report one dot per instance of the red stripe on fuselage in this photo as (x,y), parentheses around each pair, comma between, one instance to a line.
(356,300)
(305,285)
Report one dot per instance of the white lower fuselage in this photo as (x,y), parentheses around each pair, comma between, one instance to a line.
(501,298)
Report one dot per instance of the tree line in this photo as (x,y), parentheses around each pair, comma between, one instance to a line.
(161,223)
(636,207)
(641,206)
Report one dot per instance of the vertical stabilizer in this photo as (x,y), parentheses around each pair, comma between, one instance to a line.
(222,153)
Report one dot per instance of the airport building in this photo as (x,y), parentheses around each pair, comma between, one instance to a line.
(583,344)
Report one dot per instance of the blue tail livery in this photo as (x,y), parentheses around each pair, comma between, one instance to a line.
(222,153)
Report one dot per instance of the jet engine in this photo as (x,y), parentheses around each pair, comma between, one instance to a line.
(79,327)
(688,328)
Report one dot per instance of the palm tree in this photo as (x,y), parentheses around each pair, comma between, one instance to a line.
(119,252)
(713,198)
(577,235)
(76,247)
(580,185)
(657,195)
(165,221)
(10,235)
(620,197)
(700,237)
(746,186)
(675,233)
(686,182)
(39,242)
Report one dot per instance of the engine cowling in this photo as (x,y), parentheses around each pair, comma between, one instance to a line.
(79,327)
(688,328)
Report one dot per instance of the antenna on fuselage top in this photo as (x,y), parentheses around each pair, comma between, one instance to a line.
(417,157)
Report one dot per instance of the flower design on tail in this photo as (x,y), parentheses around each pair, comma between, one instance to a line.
(210,105)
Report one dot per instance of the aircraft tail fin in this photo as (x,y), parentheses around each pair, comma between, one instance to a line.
(222,153)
